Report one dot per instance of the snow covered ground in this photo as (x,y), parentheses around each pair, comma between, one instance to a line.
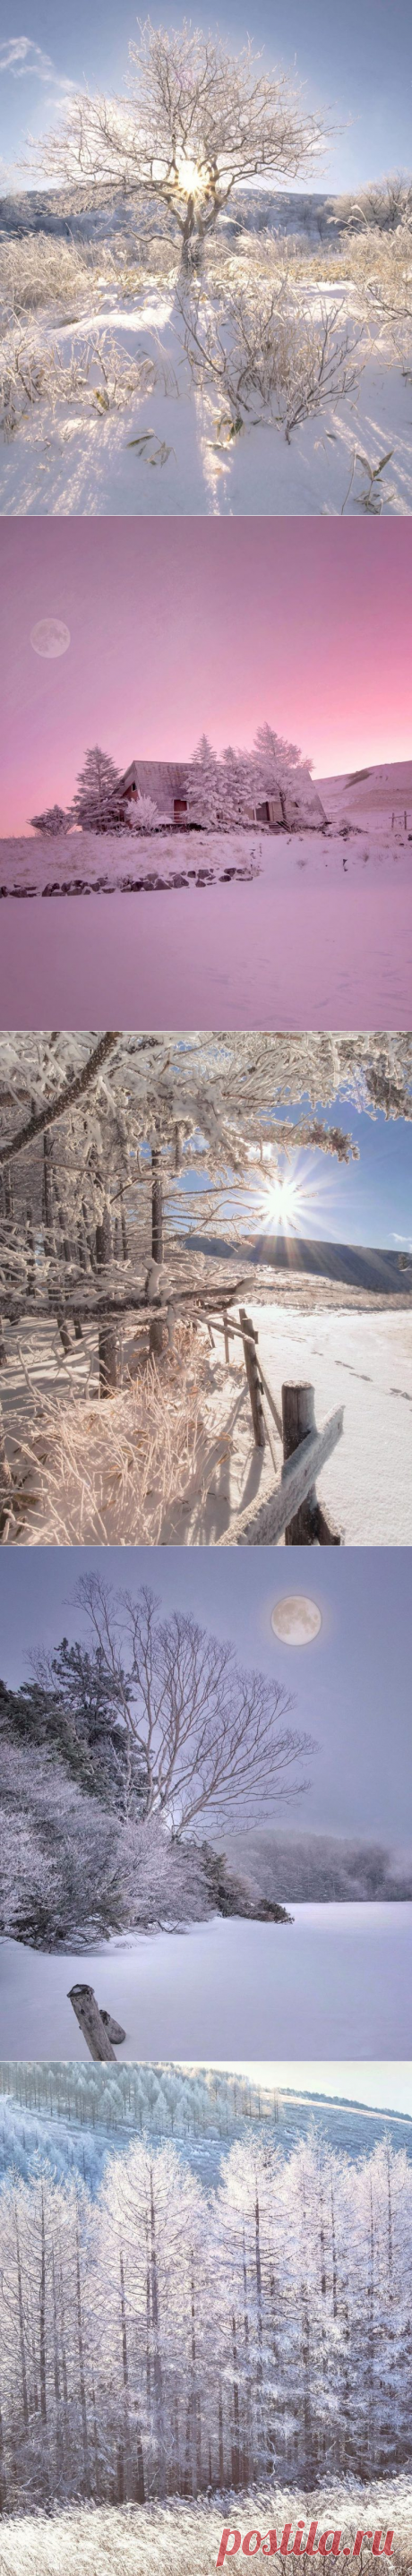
(362,1359)
(319,937)
(79,459)
(337,1982)
(183,2539)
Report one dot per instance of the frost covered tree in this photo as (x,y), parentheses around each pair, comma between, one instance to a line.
(203,787)
(279,763)
(220,793)
(210,1736)
(196,121)
(74,1867)
(96,791)
(160,2340)
(385,203)
(54,821)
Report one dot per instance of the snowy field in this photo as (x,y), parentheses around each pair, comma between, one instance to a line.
(161,453)
(335,1983)
(183,2539)
(319,935)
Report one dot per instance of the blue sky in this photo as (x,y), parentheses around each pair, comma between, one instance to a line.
(368,1202)
(351,1685)
(355,64)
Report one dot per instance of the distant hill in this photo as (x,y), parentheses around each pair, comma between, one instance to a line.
(385,788)
(355,1265)
(93,212)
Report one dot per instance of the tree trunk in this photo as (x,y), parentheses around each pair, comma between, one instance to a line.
(48,1196)
(107,1332)
(157,1205)
(125,1248)
(156,1327)
(31,1264)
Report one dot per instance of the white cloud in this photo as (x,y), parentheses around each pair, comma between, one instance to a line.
(21,57)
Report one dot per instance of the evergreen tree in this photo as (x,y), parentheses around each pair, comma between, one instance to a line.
(97,788)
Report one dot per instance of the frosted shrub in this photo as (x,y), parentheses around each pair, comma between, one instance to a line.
(382,268)
(143,814)
(71,1870)
(268,357)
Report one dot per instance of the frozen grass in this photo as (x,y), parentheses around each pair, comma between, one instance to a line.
(183,2539)
(111,1471)
(42,273)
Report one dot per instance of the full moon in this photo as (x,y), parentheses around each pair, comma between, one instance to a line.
(50,637)
(296,1620)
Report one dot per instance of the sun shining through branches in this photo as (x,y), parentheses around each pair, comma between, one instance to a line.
(294,1196)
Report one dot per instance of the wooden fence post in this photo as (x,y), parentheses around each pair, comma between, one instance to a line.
(298,1419)
(253,1379)
(98,2028)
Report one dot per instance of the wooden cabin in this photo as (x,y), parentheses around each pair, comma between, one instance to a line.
(165,781)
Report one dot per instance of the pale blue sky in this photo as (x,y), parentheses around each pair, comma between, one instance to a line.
(385,2084)
(355,64)
(352,1685)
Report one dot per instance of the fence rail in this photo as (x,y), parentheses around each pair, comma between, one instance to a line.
(293,1511)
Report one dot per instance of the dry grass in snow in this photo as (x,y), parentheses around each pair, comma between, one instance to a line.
(42,273)
(85,1470)
(183,2539)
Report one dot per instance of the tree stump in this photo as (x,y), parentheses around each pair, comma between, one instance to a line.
(97,2027)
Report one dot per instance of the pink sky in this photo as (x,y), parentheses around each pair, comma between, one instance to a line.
(180,626)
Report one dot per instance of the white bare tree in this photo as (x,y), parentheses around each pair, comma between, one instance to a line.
(197,120)
(214,1738)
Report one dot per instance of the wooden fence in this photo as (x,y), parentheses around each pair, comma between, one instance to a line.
(293,1510)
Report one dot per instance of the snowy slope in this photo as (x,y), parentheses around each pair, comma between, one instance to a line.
(385,790)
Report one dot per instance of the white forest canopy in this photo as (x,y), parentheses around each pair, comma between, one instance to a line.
(161,2339)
